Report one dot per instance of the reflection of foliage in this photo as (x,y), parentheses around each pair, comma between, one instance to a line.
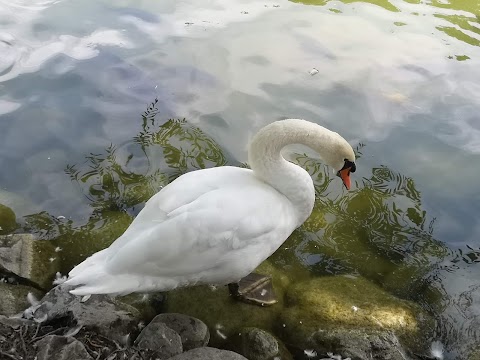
(378,230)
(463,24)
(112,185)
(469,11)
(383,3)
(114,182)
(200,151)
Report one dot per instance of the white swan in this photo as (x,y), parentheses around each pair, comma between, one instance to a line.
(215,226)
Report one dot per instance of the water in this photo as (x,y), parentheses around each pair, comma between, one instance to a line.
(398,79)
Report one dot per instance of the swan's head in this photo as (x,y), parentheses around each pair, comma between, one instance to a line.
(341,158)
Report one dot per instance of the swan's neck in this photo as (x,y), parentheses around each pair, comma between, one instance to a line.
(267,163)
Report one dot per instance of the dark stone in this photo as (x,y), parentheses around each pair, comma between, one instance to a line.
(159,341)
(99,312)
(54,347)
(193,332)
(257,344)
(358,344)
(208,353)
(14,322)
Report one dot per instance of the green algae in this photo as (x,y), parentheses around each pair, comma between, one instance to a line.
(8,222)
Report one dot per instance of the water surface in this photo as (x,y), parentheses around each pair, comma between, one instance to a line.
(82,137)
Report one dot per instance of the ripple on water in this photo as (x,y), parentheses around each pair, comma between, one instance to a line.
(9,53)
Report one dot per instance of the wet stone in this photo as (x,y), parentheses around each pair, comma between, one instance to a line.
(208,353)
(193,332)
(157,340)
(54,347)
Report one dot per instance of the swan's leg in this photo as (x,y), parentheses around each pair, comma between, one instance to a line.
(254,289)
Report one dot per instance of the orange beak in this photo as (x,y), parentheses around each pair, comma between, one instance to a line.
(345,176)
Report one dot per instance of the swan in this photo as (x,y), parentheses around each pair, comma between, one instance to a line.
(215,226)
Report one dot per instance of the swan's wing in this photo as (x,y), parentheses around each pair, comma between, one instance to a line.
(204,233)
(184,190)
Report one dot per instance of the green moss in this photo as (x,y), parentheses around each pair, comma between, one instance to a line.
(352,303)
(45,263)
(223,315)
(8,221)
(399,23)
(13,298)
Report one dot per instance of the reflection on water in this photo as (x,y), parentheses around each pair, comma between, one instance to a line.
(71,92)
(378,230)
(462,16)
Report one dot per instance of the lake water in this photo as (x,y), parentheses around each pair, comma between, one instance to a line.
(400,80)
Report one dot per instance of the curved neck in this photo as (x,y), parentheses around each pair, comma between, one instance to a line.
(267,163)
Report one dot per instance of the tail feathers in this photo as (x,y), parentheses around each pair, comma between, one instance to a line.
(94,279)
(97,258)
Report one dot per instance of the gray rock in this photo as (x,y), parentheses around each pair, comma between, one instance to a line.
(193,332)
(14,322)
(208,353)
(159,341)
(29,258)
(54,347)
(13,298)
(99,312)
(257,344)
(358,344)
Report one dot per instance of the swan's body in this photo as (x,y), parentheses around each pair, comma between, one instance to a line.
(215,226)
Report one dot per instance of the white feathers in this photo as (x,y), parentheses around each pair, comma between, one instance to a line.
(310,353)
(216,225)
(32,300)
(59,279)
(436,350)
(218,330)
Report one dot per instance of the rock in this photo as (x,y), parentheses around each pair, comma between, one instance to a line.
(149,305)
(8,220)
(13,298)
(159,341)
(358,344)
(54,347)
(350,303)
(100,312)
(29,258)
(257,344)
(224,315)
(208,353)
(11,278)
(14,322)
(193,332)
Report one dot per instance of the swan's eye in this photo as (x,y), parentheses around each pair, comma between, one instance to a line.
(349,164)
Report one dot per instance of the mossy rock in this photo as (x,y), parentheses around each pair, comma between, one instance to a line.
(343,302)
(13,298)
(258,344)
(224,315)
(8,221)
(30,258)
(96,235)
